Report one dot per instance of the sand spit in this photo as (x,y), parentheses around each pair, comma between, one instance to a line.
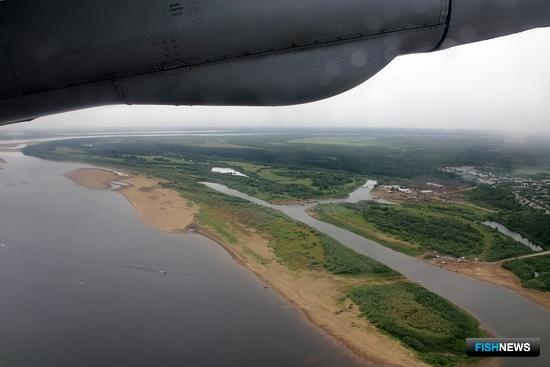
(496,274)
(92,178)
(161,208)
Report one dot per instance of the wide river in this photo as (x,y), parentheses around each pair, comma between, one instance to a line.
(499,309)
(84,283)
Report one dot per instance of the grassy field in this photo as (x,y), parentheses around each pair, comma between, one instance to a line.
(414,228)
(297,246)
(534,272)
(427,323)
(280,177)
(245,166)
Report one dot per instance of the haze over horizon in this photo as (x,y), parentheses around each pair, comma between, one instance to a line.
(501,85)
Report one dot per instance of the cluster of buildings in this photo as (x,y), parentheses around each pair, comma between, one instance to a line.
(536,197)
(410,193)
(473,174)
(529,191)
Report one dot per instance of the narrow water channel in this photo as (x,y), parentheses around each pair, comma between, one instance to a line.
(513,235)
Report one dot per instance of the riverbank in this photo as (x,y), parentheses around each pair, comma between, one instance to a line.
(495,274)
(317,294)
(353,218)
(158,207)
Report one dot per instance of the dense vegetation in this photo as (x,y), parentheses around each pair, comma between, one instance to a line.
(534,272)
(429,324)
(342,260)
(449,229)
(353,221)
(532,224)
(411,223)
(494,197)
(503,247)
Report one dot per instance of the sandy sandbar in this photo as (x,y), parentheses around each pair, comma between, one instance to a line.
(161,208)
(496,274)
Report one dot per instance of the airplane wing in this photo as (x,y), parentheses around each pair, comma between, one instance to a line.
(62,55)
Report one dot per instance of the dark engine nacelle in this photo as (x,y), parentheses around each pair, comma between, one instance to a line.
(61,55)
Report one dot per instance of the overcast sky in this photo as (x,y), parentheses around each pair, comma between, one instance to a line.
(502,84)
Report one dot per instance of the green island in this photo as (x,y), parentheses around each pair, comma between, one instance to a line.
(182,164)
(425,322)
(415,228)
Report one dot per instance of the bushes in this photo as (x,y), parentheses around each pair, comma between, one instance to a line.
(496,197)
(301,247)
(424,321)
(447,228)
(534,272)
(423,226)
(342,260)
(530,223)
(503,247)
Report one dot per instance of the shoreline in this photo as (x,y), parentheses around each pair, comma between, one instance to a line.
(313,293)
(158,207)
(490,272)
(494,273)
(310,317)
